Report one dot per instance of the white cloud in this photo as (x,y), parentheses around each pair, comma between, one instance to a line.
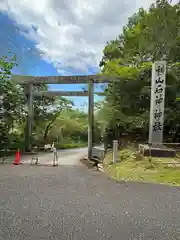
(72,33)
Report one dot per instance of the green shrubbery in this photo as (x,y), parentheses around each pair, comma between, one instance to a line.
(70,145)
(129,167)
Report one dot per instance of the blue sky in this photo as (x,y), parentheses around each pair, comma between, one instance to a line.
(58,37)
(31,63)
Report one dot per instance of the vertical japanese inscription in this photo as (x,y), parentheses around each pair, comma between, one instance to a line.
(158,83)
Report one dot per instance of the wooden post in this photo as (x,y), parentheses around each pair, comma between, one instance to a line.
(90,117)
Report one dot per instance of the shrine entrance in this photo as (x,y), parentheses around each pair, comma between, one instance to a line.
(90,80)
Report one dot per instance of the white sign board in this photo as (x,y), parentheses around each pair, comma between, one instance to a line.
(158,84)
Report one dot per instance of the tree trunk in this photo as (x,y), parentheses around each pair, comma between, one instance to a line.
(47,129)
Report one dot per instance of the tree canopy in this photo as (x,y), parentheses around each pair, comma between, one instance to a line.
(150,35)
(54,118)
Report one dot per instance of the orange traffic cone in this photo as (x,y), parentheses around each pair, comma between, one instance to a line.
(17,160)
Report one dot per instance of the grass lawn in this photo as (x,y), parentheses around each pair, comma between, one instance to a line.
(155,170)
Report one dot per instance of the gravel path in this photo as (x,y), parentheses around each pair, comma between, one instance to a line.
(73,202)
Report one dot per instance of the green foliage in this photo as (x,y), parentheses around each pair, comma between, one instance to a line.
(71,124)
(149,36)
(158,170)
(46,116)
(125,154)
(54,118)
(11,97)
(71,145)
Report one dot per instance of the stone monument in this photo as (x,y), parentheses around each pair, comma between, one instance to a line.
(155,146)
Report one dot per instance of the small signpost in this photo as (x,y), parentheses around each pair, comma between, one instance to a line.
(115,151)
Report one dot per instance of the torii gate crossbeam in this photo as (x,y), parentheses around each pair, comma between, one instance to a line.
(88,79)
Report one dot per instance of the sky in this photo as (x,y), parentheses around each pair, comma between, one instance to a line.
(62,37)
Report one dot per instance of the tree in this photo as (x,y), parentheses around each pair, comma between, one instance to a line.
(46,116)
(14,109)
(73,124)
(149,36)
(11,97)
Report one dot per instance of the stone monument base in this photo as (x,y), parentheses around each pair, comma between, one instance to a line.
(160,151)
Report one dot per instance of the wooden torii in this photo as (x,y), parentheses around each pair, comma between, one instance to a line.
(86,79)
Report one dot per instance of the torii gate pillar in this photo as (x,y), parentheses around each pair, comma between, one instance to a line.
(28,139)
(90,117)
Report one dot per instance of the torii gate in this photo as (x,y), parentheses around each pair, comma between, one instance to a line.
(87,79)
